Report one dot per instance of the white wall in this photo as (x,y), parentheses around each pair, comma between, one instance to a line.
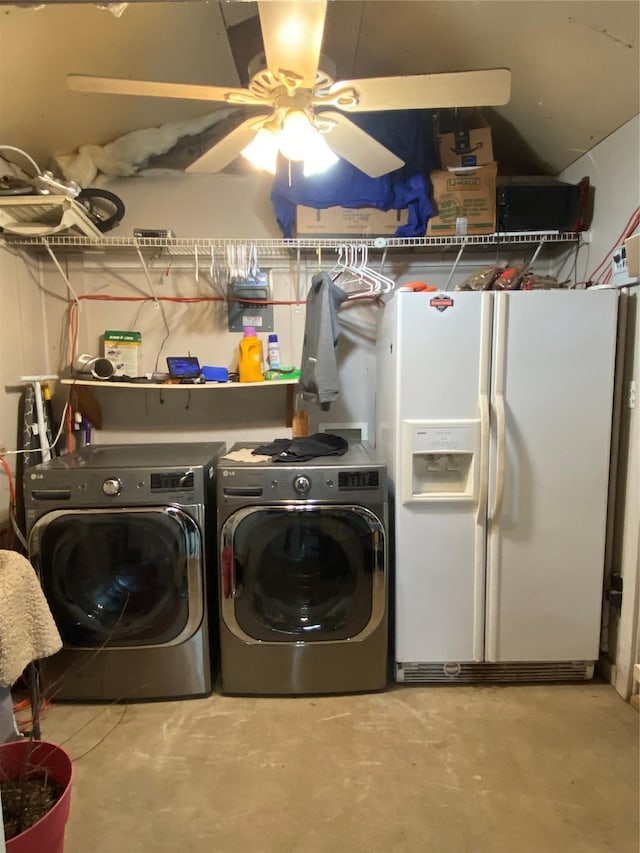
(613,168)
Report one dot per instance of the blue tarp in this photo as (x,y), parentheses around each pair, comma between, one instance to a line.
(408,133)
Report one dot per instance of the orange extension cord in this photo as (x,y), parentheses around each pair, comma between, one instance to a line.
(22,707)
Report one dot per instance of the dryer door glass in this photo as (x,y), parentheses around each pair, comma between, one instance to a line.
(303,574)
(119,578)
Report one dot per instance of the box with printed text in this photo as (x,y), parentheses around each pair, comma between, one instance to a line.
(464,139)
(464,202)
(123,350)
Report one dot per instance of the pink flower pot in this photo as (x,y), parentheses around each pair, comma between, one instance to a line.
(47,834)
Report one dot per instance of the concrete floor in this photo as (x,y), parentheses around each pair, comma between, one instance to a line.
(517,769)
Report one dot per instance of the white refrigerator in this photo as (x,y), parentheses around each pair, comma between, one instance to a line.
(494,416)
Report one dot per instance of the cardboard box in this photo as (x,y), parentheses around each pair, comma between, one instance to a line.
(122,349)
(348,221)
(632,247)
(468,142)
(465,202)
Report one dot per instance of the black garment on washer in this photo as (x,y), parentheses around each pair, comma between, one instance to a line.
(303,449)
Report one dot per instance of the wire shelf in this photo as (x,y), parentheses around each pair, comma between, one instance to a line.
(278,247)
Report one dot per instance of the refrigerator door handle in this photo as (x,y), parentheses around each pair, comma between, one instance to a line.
(483,404)
(483,478)
(499,354)
(498,404)
(498,498)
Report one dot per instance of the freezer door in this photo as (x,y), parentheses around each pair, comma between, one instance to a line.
(551,406)
(442,348)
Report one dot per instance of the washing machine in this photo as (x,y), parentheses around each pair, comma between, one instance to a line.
(302,574)
(123,540)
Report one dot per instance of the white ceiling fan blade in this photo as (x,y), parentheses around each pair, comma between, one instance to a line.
(428,91)
(292,35)
(228,148)
(359,148)
(119,86)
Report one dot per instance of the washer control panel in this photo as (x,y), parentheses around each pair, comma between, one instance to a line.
(355,476)
(243,485)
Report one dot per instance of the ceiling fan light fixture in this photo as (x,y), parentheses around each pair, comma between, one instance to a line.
(308,146)
(297,135)
(319,157)
(262,151)
(300,140)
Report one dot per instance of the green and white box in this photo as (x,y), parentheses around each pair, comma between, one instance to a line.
(123,350)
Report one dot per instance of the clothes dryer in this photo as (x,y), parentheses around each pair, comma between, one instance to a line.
(303,574)
(123,540)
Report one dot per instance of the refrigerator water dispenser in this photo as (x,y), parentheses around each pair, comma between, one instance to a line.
(440,460)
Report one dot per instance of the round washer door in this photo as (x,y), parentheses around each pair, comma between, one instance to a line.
(302,573)
(114,578)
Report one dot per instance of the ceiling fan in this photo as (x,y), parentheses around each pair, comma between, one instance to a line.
(300,110)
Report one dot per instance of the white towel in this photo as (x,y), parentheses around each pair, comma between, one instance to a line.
(245,454)
(27,629)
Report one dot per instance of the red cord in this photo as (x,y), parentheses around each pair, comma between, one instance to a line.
(25,724)
(184,299)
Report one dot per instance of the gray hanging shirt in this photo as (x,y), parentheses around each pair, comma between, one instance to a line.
(319,369)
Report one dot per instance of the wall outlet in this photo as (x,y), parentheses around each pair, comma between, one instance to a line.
(632,394)
(619,261)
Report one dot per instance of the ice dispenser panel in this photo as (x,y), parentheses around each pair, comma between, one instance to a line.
(440,460)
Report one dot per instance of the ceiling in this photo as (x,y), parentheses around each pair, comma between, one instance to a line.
(575,65)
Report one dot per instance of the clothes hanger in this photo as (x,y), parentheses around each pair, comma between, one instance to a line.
(384,283)
(376,283)
(343,266)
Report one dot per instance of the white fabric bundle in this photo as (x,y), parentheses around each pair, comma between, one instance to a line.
(27,629)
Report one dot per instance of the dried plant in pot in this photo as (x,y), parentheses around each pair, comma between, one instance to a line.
(35,781)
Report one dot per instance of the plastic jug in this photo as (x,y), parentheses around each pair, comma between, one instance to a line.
(250,362)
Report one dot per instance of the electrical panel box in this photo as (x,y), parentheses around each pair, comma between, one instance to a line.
(249,304)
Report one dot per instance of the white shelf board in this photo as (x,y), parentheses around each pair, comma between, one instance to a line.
(161,386)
